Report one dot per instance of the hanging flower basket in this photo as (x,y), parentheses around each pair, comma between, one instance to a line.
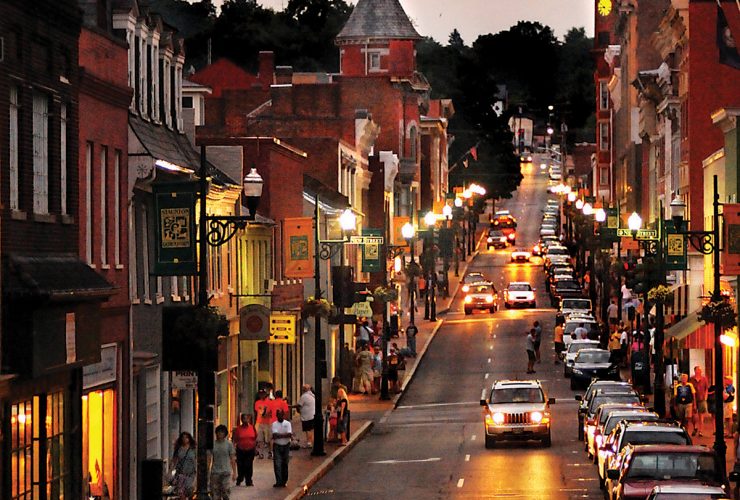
(720,313)
(313,307)
(413,270)
(385,294)
(659,294)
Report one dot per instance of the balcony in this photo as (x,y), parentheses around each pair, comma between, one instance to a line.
(408,171)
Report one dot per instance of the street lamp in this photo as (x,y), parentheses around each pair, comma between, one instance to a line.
(447,212)
(430,301)
(588,209)
(572,196)
(215,231)
(408,232)
(430,219)
(579,204)
(600,215)
(458,202)
(634,222)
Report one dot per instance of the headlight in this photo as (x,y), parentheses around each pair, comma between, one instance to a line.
(575,370)
(503,238)
(466,288)
(490,240)
(468,299)
(512,236)
(536,248)
(535,417)
(489,419)
(498,418)
(489,298)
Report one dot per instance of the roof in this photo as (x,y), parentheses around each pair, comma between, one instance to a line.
(331,197)
(61,277)
(516,383)
(689,489)
(378,19)
(670,448)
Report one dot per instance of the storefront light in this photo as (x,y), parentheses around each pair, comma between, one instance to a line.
(728,340)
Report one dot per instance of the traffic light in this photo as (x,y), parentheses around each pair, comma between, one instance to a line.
(629,274)
(343,291)
(361,292)
(647,274)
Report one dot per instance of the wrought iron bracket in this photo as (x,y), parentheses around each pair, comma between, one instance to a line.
(330,248)
(702,241)
(395,251)
(650,246)
(221,229)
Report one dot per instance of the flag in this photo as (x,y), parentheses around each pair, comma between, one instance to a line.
(465,162)
(298,243)
(474,152)
(726,42)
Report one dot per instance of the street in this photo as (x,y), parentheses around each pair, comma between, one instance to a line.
(432,446)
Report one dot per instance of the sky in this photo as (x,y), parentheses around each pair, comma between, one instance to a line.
(437,18)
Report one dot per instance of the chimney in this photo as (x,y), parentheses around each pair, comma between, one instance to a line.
(284,75)
(266,68)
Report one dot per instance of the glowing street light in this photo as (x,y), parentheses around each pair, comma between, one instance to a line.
(348,220)
(430,219)
(600,215)
(588,209)
(458,202)
(447,211)
(572,196)
(634,222)
(579,204)
(408,231)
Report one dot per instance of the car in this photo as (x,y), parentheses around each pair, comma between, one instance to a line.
(602,415)
(520,255)
(557,250)
(526,158)
(517,410)
(598,387)
(519,293)
(555,176)
(637,432)
(570,305)
(640,468)
(471,278)
(601,398)
(481,296)
(592,364)
(573,323)
(572,350)
(602,433)
(537,249)
(688,492)
(565,289)
(546,231)
(496,239)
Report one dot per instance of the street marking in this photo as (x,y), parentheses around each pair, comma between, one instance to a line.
(460,482)
(467,458)
(487,374)
(472,438)
(384,462)
(433,405)
(489,360)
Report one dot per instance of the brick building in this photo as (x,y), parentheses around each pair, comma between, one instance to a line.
(51,299)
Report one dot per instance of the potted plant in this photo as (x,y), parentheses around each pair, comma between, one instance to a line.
(719,312)
(385,294)
(313,307)
(659,294)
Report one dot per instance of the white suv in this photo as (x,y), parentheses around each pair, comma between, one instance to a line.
(517,410)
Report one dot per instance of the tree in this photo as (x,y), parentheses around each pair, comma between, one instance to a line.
(575,82)
(456,40)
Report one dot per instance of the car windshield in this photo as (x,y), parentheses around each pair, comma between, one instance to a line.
(613,420)
(481,289)
(607,412)
(664,466)
(474,278)
(577,346)
(601,399)
(568,285)
(608,387)
(557,251)
(520,287)
(495,234)
(593,357)
(584,304)
(675,436)
(517,395)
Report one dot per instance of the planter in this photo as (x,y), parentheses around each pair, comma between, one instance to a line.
(385,294)
(659,294)
(317,308)
(721,313)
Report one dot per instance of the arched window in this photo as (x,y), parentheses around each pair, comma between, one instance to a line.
(413,140)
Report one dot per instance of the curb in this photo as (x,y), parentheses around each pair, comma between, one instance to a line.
(329,462)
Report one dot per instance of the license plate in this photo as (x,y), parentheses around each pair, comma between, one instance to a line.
(518,431)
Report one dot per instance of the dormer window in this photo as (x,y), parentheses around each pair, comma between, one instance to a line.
(373,61)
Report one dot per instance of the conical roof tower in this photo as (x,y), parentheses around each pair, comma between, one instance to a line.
(377,20)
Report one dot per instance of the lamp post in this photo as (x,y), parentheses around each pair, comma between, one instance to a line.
(708,243)
(214,231)
(409,232)
(348,222)
(430,301)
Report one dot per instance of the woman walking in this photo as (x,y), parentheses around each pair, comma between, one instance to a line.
(183,466)
(245,441)
(342,409)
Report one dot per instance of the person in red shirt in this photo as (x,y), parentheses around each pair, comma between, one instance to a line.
(245,442)
(263,412)
(279,404)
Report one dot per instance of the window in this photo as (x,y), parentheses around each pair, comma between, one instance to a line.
(40,153)
(132,265)
(117,208)
(373,59)
(603,96)
(187,102)
(63,159)
(603,176)
(98,442)
(13,148)
(55,446)
(103,206)
(88,203)
(604,136)
(21,450)
(165,115)
(145,251)
(413,138)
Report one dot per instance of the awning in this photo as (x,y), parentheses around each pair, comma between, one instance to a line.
(685,327)
(694,333)
(60,277)
(331,201)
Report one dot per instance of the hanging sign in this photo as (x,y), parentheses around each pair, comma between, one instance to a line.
(282,328)
(254,322)
(730,258)
(298,243)
(676,248)
(174,214)
(371,261)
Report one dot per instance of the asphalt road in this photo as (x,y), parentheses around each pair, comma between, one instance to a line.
(432,445)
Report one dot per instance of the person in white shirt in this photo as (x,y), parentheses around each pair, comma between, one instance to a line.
(282,431)
(307,408)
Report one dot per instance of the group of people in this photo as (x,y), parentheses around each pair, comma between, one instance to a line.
(368,368)
(693,398)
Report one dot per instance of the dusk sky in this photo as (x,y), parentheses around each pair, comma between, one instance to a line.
(437,18)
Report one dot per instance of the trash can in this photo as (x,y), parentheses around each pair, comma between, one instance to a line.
(151,479)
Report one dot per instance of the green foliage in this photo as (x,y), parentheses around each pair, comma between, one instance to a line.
(659,294)
(385,294)
(721,313)
(313,307)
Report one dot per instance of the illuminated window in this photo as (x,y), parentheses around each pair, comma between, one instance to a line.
(98,443)
(55,445)
(21,450)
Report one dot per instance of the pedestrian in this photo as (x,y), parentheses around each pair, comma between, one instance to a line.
(394,360)
(531,358)
(615,346)
(701,385)
(342,409)
(282,432)
(183,466)
(377,368)
(363,334)
(245,442)
(223,465)
(365,365)
(612,312)
(422,286)
(537,339)
(263,419)
(307,409)
(411,332)
(558,340)
(279,403)
(684,396)
(728,397)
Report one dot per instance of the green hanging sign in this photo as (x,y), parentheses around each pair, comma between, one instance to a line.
(676,248)
(174,220)
(371,254)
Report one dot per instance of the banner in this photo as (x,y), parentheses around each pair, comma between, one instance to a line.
(298,247)
(174,213)
(676,248)
(609,228)
(730,258)
(371,257)
(398,239)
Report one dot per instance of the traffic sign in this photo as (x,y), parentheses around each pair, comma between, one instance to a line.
(642,234)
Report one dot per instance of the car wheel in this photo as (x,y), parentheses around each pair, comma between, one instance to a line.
(580,431)
(573,384)
(565,373)
(490,442)
(534,305)
(492,310)
(468,311)
(547,442)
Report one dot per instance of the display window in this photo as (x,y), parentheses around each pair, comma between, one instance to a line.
(98,443)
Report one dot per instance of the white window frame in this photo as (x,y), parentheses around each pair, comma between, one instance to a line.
(89,150)
(117,208)
(177,120)
(373,60)
(603,179)
(604,136)
(103,206)
(153,415)
(40,153)
(133,279)
(174,285)
(167,88)
(155,77)
(13,147)
(603,95)
(63,159)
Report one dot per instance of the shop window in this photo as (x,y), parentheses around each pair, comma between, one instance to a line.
(55,471)
(22,447)
(98,443)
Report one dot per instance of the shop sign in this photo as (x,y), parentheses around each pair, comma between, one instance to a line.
(184,379)
(103,372)
(676,248)
(282,328)
(298,243)
(174,212)
(398,223)
(372,241)
(254,322)
(730,258)
(361,309)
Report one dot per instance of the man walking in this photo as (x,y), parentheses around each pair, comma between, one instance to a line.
(365,365)
(245,441)
(263,412)
(307,409)
(223,465)
(530,351)
(537,339)
(282,432)
(411,332)
(685,400)
(612,312)
(701,386)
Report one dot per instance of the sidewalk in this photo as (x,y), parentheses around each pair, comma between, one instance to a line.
(306,470)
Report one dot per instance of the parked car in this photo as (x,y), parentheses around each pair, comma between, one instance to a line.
(481,296)
(590,364)
(572,351)
(599,387)
(602,415)
(601,398)
(565,289)
(519,293)
(572,305)
(574,322)
(517,410)
(638,469)
(688,492)
(601,436)
(496,239)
